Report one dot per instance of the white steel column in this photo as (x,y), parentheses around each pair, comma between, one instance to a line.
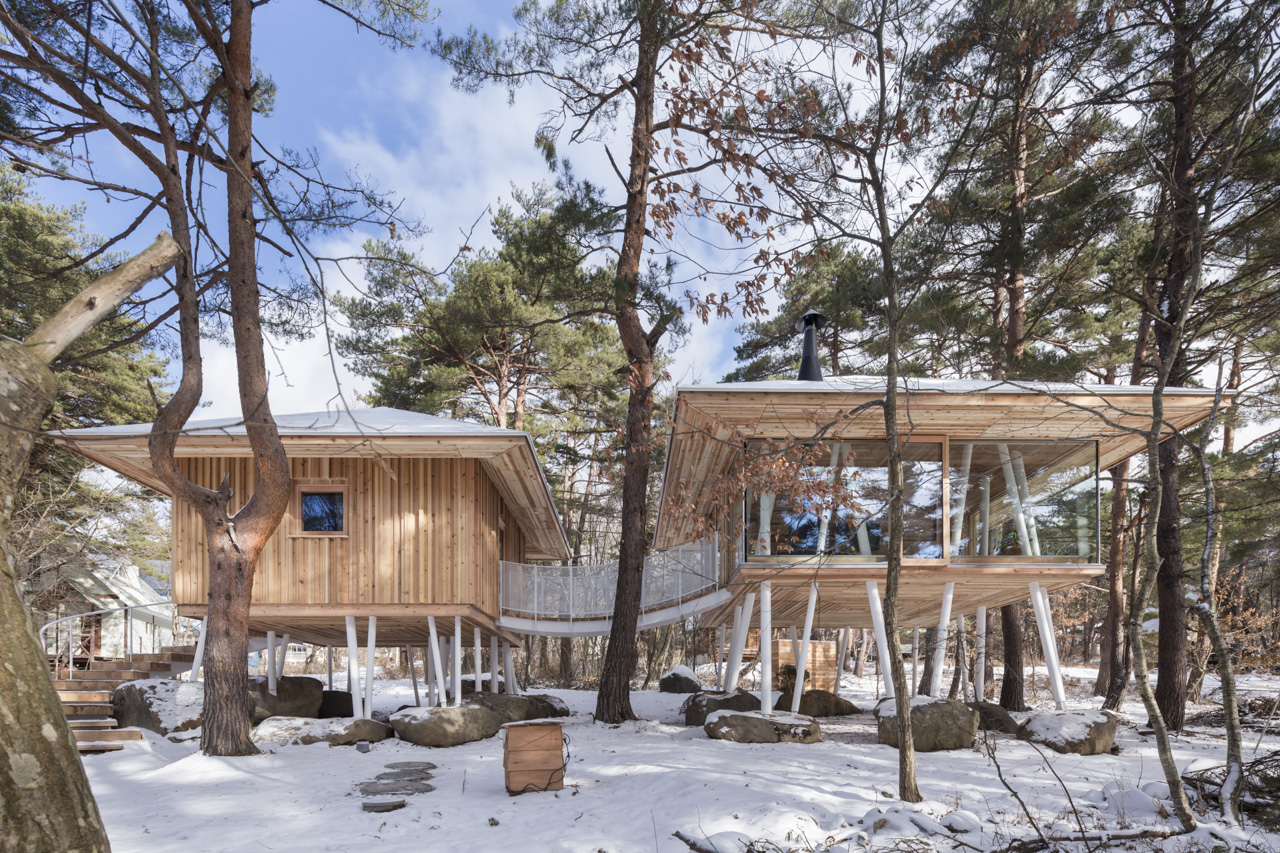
(509,673)
(741,626)
(271,662)
(479,664)
(198,660)
(1015,499)
(455,669)
(803,658)
(940,653)
(284,653)
(413,676)
(962,656)
(429,670)
(915,661)
(1044,621)
(980,663)
(720,659)
(353,668)
(957,510)
(437,669)
(493,663)
(882,641)
(329,658)
(766,647)
(1020,472)
(370,650)
(984,518)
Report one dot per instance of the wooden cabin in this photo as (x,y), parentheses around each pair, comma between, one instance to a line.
(395,515)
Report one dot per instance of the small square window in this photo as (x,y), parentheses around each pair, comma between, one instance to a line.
(322,512)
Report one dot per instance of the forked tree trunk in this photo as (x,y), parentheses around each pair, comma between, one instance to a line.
(45,801)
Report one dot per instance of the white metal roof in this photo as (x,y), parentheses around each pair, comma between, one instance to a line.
(876,384)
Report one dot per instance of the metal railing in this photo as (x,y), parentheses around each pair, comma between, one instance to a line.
(582,593)
(128,636)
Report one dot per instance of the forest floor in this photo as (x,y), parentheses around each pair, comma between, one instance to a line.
(630,787)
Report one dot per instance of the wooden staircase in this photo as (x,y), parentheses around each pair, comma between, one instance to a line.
(86,700)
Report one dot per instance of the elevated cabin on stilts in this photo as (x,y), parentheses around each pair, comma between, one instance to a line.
(393,537)
(1001,499)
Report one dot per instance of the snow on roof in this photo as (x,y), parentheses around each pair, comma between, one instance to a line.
(876,384)
(380,421)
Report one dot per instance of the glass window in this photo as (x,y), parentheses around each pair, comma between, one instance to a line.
(1017,498)
(322,512)
(830,499)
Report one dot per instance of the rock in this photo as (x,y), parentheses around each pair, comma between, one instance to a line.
(679,680)
(381,806)
(296,696)
(385,789)
(402,776)
(993,718)
(699,705)
(164,707)
(446,726)
(754,727)
(468,683)
(936,724)
(818,703)
(335,703)
(517,709)
(545,705)
(1078,732)
(421,766)
(335,731)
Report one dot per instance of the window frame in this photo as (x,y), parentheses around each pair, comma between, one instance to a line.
(316,487)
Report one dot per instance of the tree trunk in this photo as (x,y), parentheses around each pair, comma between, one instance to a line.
(860,661)
(1171,596)
(926,669)
(1116,665)
(1013,685)
(566,661)
(45,801)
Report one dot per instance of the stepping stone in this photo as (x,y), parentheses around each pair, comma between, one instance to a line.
(403,776)
(379,806)
(411,765)
(404,787)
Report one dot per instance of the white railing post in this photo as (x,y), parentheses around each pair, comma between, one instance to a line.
(71,649)
(573,602)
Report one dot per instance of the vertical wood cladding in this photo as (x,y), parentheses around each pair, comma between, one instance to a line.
(418,531)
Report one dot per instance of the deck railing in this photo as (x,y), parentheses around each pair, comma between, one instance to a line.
(130,638)
(582,593)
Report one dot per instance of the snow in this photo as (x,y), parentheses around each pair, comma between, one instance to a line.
(1063,727)
(629,787)
(888,708)
(683,671)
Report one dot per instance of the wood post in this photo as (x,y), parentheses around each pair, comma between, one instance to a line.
(436,668)
(455,673)
(766,648)
(980,663)
(371,648)
(413,676)
(802,659)
(1044,622)
(940,653)
(271,662)
(493,663)
(882,641)
(198,660)
(353,668)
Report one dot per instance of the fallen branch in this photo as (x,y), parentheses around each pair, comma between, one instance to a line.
(694,844)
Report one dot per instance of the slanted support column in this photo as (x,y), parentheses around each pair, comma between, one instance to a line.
(271,662)
(1044,621)
(479,664)
(455,674)
(413,676)
(493,663)
(369,652)
(741,626)
(198,660)
(980,662)
(284,653)
(940,653)
(509,671)
(353,668)
(720,661)
(882,641)
(429,669)
(766,648)
(803,658)
(437,666)
(329,658)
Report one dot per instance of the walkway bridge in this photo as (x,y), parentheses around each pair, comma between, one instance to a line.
(577,601)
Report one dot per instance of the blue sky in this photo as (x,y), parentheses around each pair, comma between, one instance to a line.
(393,116)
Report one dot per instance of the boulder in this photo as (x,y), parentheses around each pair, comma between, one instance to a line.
(545,705)
(517,709)
(936,724)
(295,696)
(446,726)
(468,684)
(335,703)
(754,727)
(699,705)
(818,703)
(335,731)
(164,707)
(993,718)
(1078,732)
(679,680)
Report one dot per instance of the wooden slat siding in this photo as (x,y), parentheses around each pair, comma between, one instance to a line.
(426,536)
(820,665)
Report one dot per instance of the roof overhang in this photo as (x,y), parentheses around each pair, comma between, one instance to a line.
(507,456)
(711,421)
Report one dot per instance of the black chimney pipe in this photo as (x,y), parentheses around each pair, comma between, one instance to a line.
(810,368)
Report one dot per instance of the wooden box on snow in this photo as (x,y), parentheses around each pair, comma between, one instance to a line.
(533,757)
(820,668)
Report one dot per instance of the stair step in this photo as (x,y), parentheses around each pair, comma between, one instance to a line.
(167,657)
(87,709)
(107,736)
(100,746)
(89,725)
(86,684)
(75,696)
(181,650)
(133,665)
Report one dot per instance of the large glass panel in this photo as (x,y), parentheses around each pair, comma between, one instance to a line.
(830,499)
(1016,498)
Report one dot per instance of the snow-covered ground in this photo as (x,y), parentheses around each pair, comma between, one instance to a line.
(629,787)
